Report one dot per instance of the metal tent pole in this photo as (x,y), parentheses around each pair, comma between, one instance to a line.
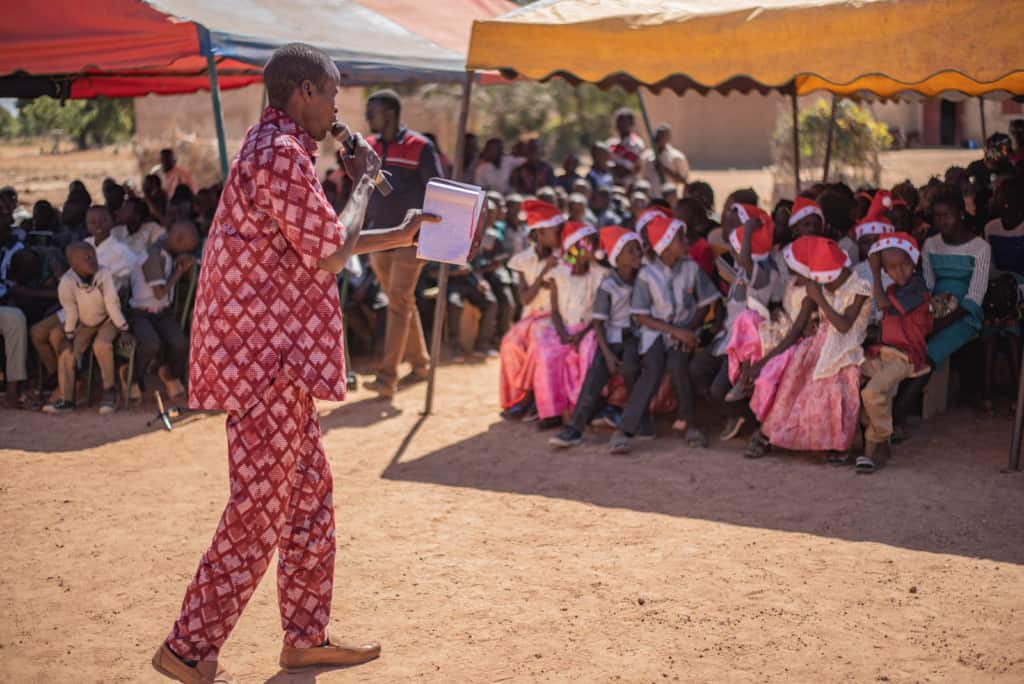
(1018,423)
(441,304)
(828,139)
(218,116)
(984,128)
(643,114)
(796,143)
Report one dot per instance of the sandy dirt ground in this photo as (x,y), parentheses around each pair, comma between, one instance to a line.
(37,175)
(474,554)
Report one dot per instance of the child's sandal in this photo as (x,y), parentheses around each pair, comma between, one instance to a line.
(695,439)
(738,392)
(757,447)
(866,465)
(839,459)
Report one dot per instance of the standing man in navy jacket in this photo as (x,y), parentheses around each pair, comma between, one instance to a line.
(411,160)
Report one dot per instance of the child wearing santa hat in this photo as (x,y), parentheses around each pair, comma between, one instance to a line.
(613,328)
(669,301)
(867,232)
(806,218)
(750,294)
(640,226)
(807,393)
(903,352)
(758,330)
(543,222)
(564,348)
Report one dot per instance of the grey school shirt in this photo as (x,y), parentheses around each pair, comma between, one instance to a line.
(673,295)
(612,304)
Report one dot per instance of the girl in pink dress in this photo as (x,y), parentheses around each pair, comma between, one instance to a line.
(533,264)
(807,393)
(565,346)
(756,331)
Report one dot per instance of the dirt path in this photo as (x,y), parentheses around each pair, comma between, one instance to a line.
(476,555)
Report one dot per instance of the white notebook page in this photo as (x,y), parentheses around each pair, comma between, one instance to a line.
(459,205)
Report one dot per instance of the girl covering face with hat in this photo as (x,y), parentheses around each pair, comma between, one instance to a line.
(807,392)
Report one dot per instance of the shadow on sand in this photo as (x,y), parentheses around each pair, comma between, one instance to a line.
(943,492)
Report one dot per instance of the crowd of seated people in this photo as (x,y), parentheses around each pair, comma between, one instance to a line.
(612,293)
(101,285)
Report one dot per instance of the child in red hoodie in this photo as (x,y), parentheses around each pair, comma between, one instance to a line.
(906,324)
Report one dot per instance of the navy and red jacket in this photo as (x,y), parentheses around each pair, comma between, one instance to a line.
(412,161)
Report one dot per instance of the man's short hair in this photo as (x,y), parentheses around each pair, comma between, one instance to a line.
(388,99)
(662,129)
(292,64)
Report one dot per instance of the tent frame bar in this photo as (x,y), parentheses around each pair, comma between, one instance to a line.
(796,141)
(441,303)
(984,127)
(828,139)
(218,116)
(1015,440)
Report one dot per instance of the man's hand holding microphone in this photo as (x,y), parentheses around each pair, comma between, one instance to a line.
(362,166)
(360,160)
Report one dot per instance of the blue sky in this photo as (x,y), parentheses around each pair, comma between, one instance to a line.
(9,103)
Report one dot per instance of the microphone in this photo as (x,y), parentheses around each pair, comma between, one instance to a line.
(348,141)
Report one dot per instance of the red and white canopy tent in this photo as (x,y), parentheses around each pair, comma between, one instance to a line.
(130,48)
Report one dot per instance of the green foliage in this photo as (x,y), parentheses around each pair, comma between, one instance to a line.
(100,121)
(857,140)
(567,118)
(8,124)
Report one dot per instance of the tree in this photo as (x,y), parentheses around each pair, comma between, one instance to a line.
(100,121)
(857,139)
(567,118)
(8,124)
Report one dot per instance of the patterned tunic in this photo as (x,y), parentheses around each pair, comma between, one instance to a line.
(263,308)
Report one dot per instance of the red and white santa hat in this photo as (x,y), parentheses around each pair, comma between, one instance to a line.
(882,202)
(802,207)
(647,214)
(575,231)
(661,230)
(764,235)
(872,226)
(614,239)
(541,215)
(902,241)
(816,258)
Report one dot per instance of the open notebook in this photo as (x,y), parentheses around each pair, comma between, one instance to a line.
(459,205)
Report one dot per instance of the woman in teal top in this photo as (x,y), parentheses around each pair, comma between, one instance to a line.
(956,262)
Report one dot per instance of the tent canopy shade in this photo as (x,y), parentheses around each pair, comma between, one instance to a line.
(882,47)
(126,48)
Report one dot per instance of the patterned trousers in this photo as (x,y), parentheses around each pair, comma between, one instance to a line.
(281,498)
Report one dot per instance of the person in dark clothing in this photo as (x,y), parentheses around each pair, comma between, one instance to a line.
(411,161)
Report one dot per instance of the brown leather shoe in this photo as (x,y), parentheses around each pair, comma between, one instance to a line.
(205,671)
(334,654)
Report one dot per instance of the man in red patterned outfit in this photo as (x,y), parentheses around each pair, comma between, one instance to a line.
(266,341)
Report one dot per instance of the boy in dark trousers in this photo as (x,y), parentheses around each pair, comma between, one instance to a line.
(617,346)
(654,309)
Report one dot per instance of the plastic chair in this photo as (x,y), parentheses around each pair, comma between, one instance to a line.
(121,351)
(190,294)
(350,377)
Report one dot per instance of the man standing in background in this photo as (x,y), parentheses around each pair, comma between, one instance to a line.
(411,161)
(663,163)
